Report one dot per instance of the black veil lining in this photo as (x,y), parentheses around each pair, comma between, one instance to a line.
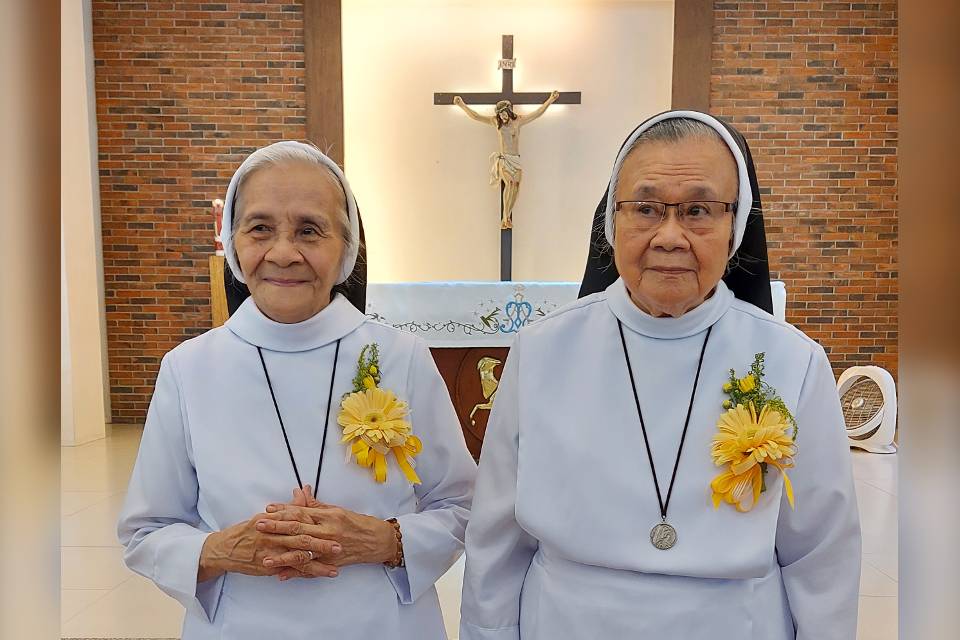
(748,271)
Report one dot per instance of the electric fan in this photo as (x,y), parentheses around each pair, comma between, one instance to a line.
(868,397)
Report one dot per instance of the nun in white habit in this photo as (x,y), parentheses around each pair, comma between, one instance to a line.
(298,390)
(665,460)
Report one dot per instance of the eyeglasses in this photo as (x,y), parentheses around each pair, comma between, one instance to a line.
(702,215)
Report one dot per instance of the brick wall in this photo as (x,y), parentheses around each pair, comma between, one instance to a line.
(184,91)
(813,86)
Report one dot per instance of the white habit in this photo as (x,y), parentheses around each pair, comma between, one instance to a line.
(213,455)
(558,542)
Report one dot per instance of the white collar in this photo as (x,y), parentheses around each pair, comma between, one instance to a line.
(333,322)
(690,323)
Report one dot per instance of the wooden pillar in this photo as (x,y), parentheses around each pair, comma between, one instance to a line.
(218,292)
(323,61)
(692,54)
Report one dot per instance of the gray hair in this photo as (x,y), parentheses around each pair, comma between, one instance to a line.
(672,130)
(277,154)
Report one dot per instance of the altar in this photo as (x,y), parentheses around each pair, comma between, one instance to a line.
(469,327)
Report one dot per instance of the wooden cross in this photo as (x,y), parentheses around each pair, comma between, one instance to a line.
(506,65)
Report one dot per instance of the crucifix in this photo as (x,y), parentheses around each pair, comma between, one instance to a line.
(505,168)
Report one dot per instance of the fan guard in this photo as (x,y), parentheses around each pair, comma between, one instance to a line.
(868,399)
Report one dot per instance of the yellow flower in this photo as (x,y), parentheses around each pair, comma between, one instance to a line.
(727,404)
(744,442)
(369,382)
(374,420)
(727,387)
(373,369)
(747,384)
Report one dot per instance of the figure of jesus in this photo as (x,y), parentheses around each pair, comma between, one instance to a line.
(505,164)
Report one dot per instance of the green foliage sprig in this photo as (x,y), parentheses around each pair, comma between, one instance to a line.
(368,367)
(759,393)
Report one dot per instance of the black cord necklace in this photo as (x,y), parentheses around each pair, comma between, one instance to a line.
(663,536)
(326,421)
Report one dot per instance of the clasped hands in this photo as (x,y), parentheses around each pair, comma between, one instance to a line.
(301,539)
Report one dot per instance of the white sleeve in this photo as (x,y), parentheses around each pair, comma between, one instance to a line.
(818,543)
(433,536)
(499,551)
(159,524)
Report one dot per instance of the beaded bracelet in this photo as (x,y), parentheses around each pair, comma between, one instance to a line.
(398,560)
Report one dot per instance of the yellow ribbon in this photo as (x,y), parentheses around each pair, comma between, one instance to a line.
(367,456)
(729,485)
(787,485)
(410,448)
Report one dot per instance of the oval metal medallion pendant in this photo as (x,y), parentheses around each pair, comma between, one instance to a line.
(663,536)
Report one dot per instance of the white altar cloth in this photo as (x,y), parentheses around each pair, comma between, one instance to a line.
(479,314)
(466,314)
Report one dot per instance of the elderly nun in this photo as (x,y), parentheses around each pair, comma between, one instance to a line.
(665,459)
(298,390)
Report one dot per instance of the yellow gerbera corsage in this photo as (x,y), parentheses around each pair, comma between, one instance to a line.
(374,421)
(748,441)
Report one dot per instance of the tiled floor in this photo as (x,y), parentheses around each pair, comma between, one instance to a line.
(102,599)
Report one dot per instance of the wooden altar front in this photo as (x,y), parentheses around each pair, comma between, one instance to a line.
(462,371)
